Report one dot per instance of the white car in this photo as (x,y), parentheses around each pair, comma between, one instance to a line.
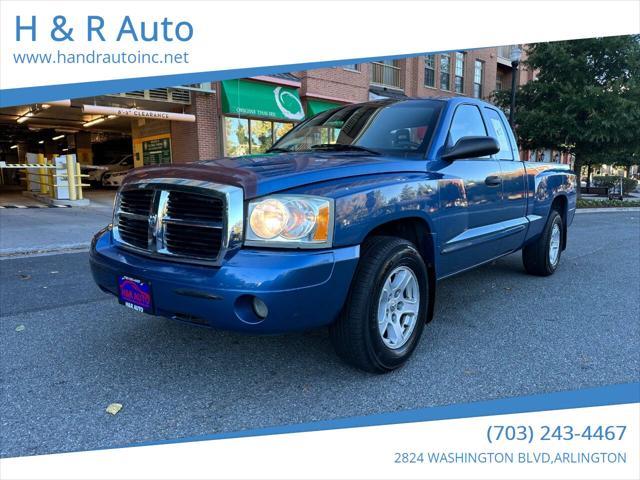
(98,172)
(113,179)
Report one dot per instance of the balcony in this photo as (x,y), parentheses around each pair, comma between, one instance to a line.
(504,54)
(386,74)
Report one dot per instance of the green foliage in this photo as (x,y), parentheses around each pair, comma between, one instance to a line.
(586,203)
(586,98)
(628,184)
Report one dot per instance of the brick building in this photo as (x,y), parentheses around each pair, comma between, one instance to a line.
(246,116)
(241,129)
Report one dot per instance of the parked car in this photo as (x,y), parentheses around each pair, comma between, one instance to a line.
(348,221)
(113,179)
(97,172)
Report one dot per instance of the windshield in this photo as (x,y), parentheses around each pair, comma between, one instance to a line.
(395,128)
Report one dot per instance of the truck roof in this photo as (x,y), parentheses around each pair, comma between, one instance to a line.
(452,100)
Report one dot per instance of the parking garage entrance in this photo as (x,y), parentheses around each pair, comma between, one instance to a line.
(106,135)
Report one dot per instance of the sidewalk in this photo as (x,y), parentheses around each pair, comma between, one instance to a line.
(29,230)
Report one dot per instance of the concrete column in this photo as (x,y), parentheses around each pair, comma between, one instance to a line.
(84,154)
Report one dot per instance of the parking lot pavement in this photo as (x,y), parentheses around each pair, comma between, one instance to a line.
(42,229)
(497,333)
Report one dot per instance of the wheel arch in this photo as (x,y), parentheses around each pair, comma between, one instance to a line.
(561,205)
(417,230)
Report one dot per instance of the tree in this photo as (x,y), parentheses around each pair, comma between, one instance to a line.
(586,99)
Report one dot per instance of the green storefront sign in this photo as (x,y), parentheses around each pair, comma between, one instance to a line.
(315,107)
(155,152)
(254,99)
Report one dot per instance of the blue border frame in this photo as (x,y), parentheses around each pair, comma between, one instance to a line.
(590,397)
(48,93)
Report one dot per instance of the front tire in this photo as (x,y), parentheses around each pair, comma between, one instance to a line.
(382,320)
(543,256)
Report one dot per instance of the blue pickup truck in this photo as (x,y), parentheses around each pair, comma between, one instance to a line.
(348,221)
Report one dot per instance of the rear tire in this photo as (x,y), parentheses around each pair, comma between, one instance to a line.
(385,312)
(543,256)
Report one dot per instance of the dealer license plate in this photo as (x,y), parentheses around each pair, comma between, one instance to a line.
(135,294)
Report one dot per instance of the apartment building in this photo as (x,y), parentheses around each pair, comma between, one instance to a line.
(246,116)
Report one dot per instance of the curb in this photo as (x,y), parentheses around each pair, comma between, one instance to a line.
(609,209)
(37,251)
(56,202)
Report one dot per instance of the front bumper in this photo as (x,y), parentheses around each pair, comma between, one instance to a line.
(302,289)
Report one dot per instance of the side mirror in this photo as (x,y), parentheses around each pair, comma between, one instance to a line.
(471,147)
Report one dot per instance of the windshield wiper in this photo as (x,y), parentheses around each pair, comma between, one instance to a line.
(277,149)
(341,147)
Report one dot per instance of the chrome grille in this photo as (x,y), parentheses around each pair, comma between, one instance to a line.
(137,202)
(193,206)
(133,220)
(201,242)
(134,231)
(182,220)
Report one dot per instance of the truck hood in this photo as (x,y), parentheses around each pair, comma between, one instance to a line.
(263,174)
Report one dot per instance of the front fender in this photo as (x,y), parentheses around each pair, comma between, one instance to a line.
(364,203)
(360,212)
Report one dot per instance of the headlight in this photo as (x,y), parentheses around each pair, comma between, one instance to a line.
(293,221)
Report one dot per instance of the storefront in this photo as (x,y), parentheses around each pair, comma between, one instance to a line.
(256,114)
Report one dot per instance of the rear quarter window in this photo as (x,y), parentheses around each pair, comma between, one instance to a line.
(499,131)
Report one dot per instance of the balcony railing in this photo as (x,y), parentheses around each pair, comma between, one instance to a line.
(504,52)
(386,74)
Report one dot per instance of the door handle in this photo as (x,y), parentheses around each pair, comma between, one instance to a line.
(492,181)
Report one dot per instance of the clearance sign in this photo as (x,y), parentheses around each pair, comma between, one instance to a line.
(137,113)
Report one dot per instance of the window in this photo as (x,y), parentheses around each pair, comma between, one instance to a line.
(386,72)
(500,132)
(391,127)
(467,122)
(352,66)
(261,135)
(243,136)
(430,71)
(445,75)
(499,80)
(459,81)
(279,129)
(477,78)
(236,137)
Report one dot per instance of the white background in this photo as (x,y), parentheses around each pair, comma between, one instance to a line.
(241,34)
(365,453)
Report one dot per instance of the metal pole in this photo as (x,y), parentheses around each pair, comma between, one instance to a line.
(79,181)
(71,172)
(512,115)
(44,189)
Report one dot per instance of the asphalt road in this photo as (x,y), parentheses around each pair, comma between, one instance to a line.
(497,333)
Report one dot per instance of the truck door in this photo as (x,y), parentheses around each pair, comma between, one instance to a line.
(514,194)
(470,200)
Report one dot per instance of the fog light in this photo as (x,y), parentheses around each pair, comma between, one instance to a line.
(260,308)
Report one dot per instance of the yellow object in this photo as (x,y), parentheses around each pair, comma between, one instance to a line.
(114,408)
(51,181)
(138,160)
(322,221)
(44,187)
(78,181)
(84,155)
(71,177)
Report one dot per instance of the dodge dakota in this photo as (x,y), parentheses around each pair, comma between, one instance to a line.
(348,221)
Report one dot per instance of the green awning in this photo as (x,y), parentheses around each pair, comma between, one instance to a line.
(255,99)
(315,107)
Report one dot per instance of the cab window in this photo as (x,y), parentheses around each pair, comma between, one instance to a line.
(467,122)
(500,133)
